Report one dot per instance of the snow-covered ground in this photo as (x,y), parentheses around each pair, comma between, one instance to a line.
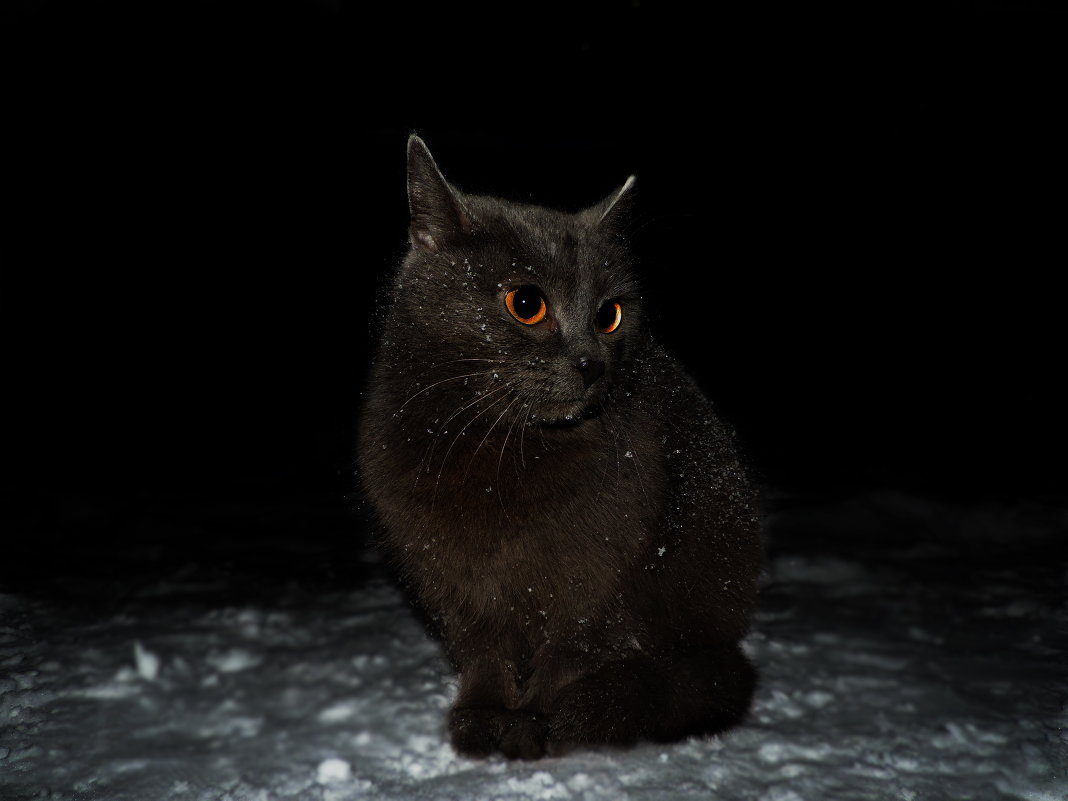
(909,650)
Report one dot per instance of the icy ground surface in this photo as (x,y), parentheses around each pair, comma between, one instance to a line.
(909,650)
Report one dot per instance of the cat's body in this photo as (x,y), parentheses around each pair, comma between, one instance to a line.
(559,496)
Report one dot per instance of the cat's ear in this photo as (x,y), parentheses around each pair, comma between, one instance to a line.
(615,208)
(437,212)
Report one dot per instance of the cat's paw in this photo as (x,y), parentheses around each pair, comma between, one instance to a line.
(472,731)
(524,737)
(479,731)
(608,707)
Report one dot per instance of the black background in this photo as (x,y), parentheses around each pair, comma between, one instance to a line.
(850,225)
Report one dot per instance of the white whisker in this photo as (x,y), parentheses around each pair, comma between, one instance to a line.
(483,442)
(428,456)
(445,458)
(435,384)
(523,435)
(442,429)
(503,447)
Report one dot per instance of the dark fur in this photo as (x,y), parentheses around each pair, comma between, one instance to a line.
(590,555)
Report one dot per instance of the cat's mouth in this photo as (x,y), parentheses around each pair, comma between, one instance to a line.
(566,401)
(568,411)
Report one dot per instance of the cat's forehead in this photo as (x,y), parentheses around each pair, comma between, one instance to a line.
(553,246)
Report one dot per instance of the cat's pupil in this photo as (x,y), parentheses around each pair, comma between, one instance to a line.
(606,315)
(527,302)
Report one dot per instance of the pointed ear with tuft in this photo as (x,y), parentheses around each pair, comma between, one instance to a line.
(437,212)
(614,209)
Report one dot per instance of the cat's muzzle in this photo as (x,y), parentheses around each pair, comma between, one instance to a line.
(590,370)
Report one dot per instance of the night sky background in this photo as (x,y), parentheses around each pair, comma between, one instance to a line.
(851,226)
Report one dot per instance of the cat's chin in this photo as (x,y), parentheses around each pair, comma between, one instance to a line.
(565,413)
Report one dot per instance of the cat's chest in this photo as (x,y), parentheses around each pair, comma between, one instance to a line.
(530,581)
(500,470)
(556,524)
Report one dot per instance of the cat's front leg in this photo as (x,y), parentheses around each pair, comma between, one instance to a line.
(587,700)
(486,716)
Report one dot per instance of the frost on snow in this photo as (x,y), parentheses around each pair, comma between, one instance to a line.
(908,650)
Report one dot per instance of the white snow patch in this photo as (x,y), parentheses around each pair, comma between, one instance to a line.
(146,661)
(781,794)
(539,786)
(108,691)
(930,674)
(233,660)
(818,698)
(427,757)
(580,782)
(340,711)
(362,739)
(333,770)
(820,570)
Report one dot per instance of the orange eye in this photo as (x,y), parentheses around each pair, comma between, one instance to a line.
(526,304)
(609,317)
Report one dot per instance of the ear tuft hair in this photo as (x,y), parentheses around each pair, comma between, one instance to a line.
(615,208)
(437,211)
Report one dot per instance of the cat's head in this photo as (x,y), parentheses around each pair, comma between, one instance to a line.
(547,298)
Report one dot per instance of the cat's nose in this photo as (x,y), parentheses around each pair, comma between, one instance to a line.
(590,369)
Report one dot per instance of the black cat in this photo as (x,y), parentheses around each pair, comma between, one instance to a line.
(557,493)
